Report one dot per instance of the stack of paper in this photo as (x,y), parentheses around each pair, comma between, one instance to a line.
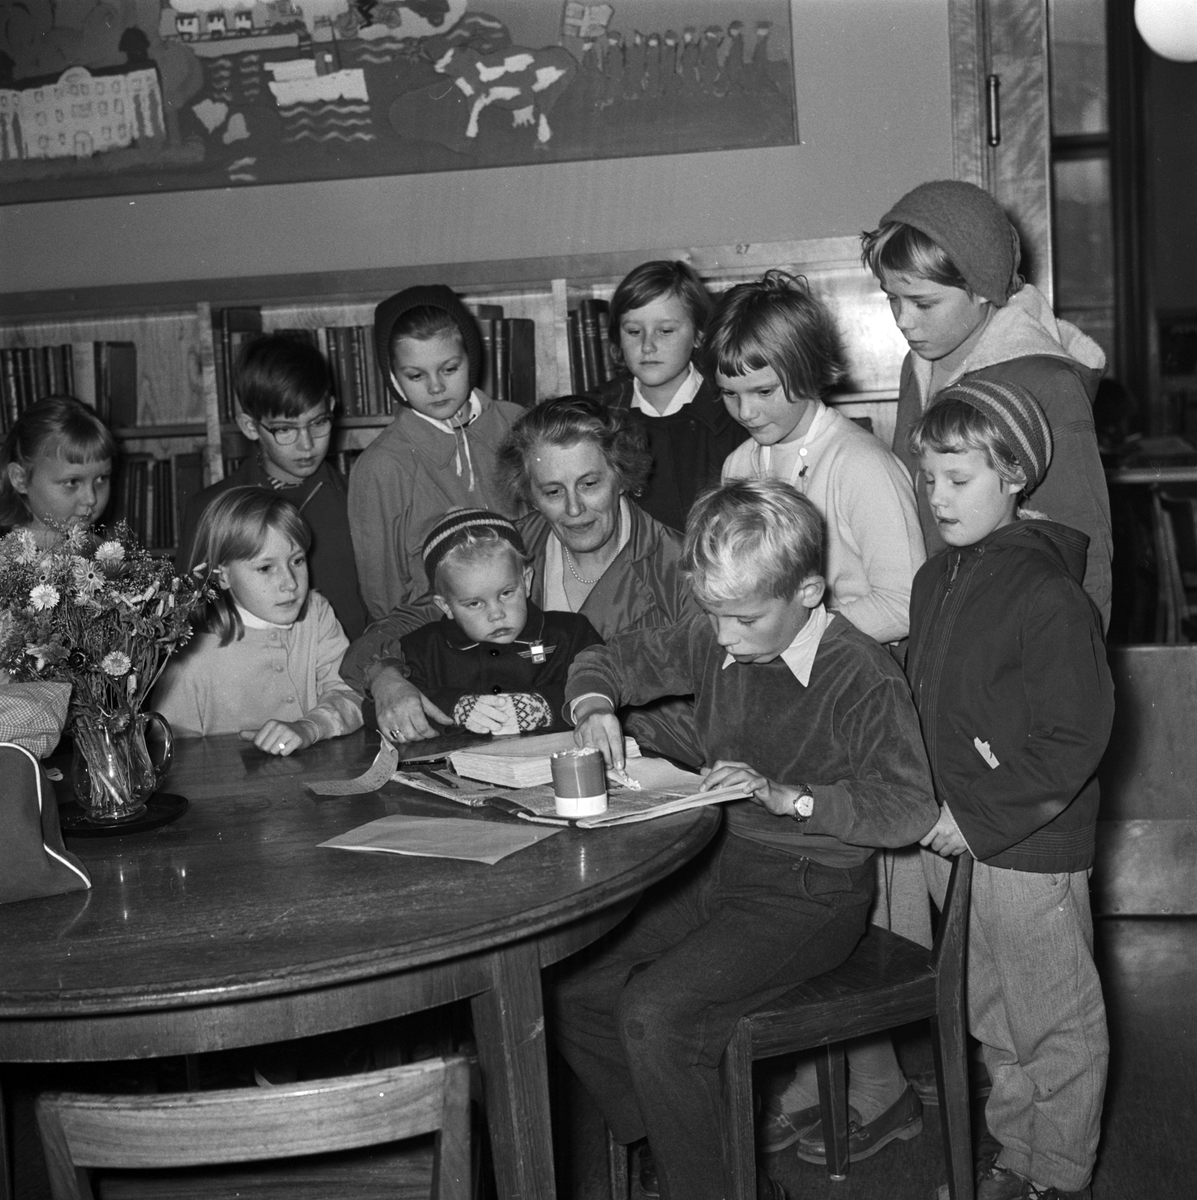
(519,762)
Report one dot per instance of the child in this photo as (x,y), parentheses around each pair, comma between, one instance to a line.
(657,317)
(774,350)
(268,665)
(787,893)
(285,393)
(438,453)
(57,470)
(1009,676)
(947,257)
(495,662)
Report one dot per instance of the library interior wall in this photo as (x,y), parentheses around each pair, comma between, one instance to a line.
(874,112)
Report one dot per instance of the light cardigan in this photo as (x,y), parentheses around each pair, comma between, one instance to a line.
(874,542)
(276,673)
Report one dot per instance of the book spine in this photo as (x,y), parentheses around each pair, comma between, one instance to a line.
(332,352)
(522,372)
(592,350)
(576,360)
(8,387)
(502,350)
(487,381)
(225,359)
(361,375)
(83,372)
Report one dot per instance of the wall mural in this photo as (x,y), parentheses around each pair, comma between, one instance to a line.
(127,96)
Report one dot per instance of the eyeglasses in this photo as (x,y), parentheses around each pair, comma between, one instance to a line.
(286,435)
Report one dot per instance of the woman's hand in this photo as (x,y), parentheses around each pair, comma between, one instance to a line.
(945,837)
(403,710)
(279,737)
(777,798)
(598,726)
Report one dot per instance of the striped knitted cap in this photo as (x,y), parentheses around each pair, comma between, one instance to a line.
(456,526)
(1018,417)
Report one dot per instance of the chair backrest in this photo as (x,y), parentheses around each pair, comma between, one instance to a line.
(951,938)
(81,1130)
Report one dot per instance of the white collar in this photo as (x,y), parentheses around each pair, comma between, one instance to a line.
(799,655)
(252,622)
(449,427)
(685,393)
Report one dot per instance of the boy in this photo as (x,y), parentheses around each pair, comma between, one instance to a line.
(947,257)
(1009,676)
(496,662)
(812,717)
(285,397)
(437,454)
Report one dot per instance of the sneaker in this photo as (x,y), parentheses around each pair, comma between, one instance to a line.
(903,1119)
(777,1130)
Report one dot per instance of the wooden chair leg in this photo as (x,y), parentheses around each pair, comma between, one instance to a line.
(740,1132)
(951,1072)
(454,1159)
(832,1070)
(618,1177)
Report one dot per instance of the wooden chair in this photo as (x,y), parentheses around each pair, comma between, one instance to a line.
(888,981)
(88,1130)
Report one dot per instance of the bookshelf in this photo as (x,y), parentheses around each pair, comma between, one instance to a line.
(177,409)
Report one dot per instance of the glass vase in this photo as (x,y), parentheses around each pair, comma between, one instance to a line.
(114,771)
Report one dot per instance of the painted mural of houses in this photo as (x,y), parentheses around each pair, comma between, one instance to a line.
(81,114)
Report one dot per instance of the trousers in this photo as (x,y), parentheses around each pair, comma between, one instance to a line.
(1035,1005)
(645,1019)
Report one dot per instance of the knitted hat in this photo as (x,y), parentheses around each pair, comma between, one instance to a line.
(453,528)
(1018,418)
(969,226)
(436,295)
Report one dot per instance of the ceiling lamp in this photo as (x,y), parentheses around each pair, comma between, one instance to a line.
(1169,27)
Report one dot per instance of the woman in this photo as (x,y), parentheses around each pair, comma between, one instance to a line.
(574,462)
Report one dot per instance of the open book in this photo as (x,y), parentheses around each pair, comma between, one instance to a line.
(521,762)
(664,789)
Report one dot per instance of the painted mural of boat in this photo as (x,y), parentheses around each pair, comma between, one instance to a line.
(298,81)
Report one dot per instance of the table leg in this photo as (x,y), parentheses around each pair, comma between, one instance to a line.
(509,1024)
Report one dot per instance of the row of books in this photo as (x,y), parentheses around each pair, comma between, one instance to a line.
(508,354)
(589,356)
(152,495)
(102,374)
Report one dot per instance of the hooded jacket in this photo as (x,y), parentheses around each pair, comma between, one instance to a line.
(1009,675)
(1060,366)
(417,469)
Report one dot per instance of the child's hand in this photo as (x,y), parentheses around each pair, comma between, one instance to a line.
(403,710)
(944,837)
(598,726)
(489,714)
(777,798)
(278,737)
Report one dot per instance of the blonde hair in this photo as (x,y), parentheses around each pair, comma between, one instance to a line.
(752,535)
(233,528)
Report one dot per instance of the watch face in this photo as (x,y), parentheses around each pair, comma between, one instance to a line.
(805,805)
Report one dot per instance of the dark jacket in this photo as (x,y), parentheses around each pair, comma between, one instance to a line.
(688,448)
(446,665)
(1009,675)
(322,499)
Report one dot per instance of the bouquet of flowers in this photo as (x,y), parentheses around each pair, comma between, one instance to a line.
(100,613)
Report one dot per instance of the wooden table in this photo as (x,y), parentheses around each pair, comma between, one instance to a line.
(231,928)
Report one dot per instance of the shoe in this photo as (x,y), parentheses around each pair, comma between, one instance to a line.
(778,1130)
(767,1188)
(999,1183)
(903,1119)
(647,1173)
(1036,1191)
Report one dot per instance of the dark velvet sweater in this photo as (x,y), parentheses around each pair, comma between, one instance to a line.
(851,735)
(445,664)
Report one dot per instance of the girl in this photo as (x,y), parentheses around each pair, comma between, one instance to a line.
(657,317)
(56,471)
(774,351)
(268,665)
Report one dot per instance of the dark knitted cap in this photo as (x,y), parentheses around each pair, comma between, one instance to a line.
(456,525)
(1018,418)
(969,226)
(434,295)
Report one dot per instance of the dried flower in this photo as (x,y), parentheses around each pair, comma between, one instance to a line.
(110,555)
(116,664)
(44,596)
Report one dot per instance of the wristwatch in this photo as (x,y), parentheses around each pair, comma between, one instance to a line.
(804,805)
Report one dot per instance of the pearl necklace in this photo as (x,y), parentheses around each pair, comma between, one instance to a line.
(569,562)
